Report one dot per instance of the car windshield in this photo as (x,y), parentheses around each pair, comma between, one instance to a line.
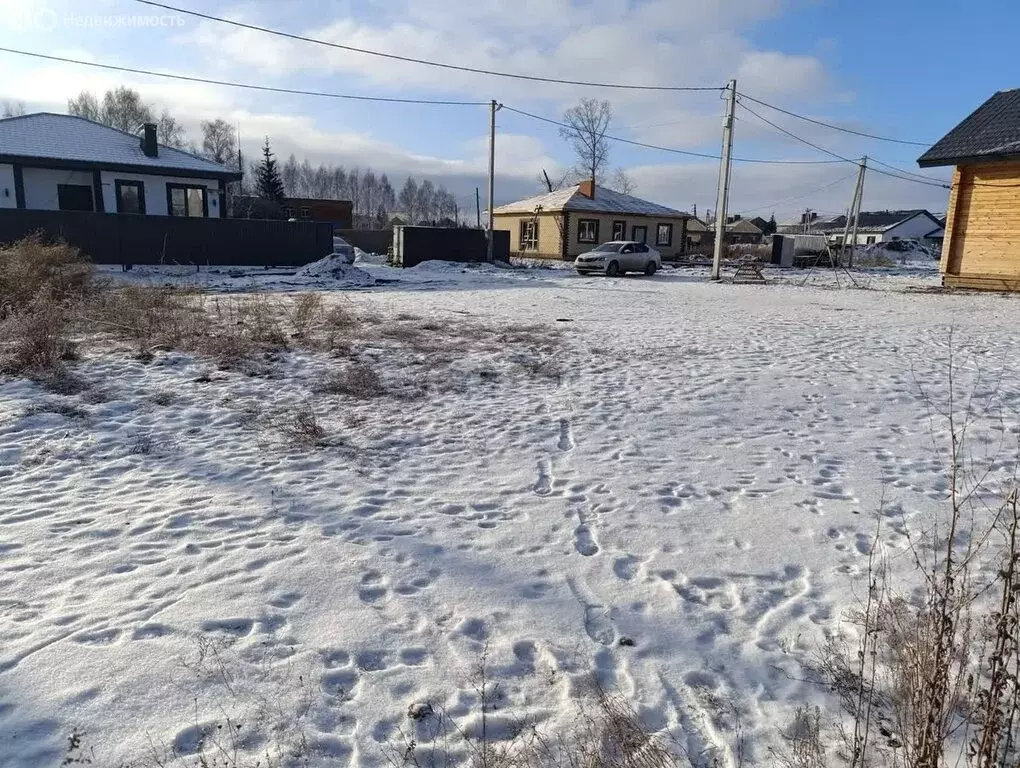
(607,248)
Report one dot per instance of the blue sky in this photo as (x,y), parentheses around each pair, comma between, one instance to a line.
(895,68)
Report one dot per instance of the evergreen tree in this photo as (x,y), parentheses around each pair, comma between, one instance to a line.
(770,228)
(268,184)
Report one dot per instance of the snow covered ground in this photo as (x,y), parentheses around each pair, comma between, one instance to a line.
(681,505)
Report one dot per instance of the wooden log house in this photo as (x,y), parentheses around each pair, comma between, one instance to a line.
(982,238)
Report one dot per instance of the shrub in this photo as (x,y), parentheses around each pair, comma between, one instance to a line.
(34,339)
(358,380)
(32,266)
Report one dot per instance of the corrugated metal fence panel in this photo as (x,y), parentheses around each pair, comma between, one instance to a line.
(418,244)
(119,239)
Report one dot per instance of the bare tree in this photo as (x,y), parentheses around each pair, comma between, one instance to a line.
(557,182)
(585,130)
(124,109)
(622,182)
(290,173)
(169,131)
(409,200)
(219,142)
(86,105)
(12,108)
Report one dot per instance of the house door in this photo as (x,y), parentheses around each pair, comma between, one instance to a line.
(639,234)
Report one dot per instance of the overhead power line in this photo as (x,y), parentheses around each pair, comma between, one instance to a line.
(673,150)
(799,197)
(423,62)
(249,86)
(930,183)
(834,126)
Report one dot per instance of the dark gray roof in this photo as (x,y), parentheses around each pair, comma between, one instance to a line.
(991,132)
(874,221)
(53,137)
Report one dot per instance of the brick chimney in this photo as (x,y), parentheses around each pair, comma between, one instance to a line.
(587,188)
(149,145)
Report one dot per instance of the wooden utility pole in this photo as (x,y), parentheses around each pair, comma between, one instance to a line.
(478,209)
(857,209)
(492,173)
(724,178)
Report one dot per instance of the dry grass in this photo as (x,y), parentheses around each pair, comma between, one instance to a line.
(31,267)
(604,732)
(34,339)
(358,380)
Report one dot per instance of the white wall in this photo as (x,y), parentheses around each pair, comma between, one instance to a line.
(7,196)
(41,186)
(155,191)
(914,229)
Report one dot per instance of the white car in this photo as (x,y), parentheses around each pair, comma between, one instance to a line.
(619,257)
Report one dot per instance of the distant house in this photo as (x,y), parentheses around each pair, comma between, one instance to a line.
(573,220)
(67,163)
(982,233)
(882,226)
(741,231)
(339,213)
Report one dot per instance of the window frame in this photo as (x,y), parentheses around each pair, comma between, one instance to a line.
(870,240)
(68,187)
(171,186)
(619,230)
(581,224)
(658,238)
(119,184)
(531,240)
(305,212)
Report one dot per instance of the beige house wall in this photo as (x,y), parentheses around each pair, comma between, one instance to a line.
(549,228)
(605,231)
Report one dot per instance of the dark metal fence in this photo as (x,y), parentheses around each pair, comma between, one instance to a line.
(109,238)
(370,240)
(418,244)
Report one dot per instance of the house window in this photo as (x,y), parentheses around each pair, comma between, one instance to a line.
(288,212)
(74,197)
(664,234)
(306,213)
(130,196)
(639,234)
(529,235)
(619,230)
(871,239)
(186,200)
(587,230)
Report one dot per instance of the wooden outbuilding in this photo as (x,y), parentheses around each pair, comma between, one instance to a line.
(981,248)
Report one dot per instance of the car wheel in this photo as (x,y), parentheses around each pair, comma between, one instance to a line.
(613,269)
(650,268)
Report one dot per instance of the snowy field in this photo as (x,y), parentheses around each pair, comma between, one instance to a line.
(681,504)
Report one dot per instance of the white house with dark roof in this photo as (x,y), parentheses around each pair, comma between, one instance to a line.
(62,162)
(570,221)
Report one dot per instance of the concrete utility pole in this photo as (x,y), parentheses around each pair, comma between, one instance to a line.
(493,108)
(857,209)
(724,178)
